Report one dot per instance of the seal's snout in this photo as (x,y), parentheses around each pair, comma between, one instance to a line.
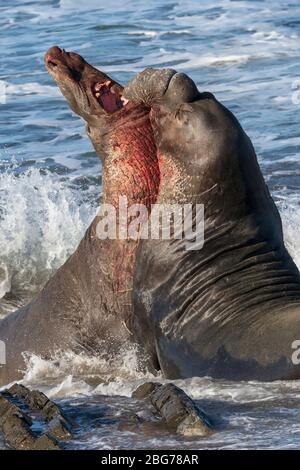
(54,51)
(149,85)
(84,86)
(53,55)
(181,89)
(154,85)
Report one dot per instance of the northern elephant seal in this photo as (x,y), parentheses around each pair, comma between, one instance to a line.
(86,306)
(232,308)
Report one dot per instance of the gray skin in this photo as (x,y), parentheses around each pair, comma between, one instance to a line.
(231,309)
(86,306)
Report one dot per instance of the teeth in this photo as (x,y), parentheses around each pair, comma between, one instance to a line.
(99,85)
(124,101)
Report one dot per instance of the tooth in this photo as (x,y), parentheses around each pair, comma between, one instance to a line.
(124,101)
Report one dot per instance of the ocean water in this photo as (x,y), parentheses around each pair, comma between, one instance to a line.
(245,52)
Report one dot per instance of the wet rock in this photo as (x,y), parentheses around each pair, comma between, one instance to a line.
(38,401)
(46,442)
(59,429)
(129,422)
(154,429)
(33,398)
(18,405)
(180,413)
(15,425)
(145,389)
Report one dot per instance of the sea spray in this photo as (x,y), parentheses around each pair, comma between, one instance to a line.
(42,221)
(68,373)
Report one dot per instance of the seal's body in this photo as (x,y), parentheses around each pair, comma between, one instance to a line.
(232,308)
(86,306)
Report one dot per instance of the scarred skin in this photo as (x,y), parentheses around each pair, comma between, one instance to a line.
(231,309)
(86,306)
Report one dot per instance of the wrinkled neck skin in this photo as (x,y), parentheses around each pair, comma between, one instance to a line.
(130,169)
(128,153)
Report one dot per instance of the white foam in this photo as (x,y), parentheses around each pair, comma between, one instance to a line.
(268,35)
(154,34)
(185,60)
(32,88)
(150,34)
(210,60)
(71,374)
(42,221)
(5,284)
(290,214)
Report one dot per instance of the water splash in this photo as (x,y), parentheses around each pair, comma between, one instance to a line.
(42,221)
(70,374)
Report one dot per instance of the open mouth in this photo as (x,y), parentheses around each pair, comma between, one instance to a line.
(108,96)
(51,63)
(72,72)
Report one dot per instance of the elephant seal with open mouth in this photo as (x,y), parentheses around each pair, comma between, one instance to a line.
(232,308)
(86,306)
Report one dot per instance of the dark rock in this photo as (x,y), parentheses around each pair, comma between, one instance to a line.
(147,428)
(15,426)
(17,404)
(145,389)
(46,442)
(59,429)
(180,413)
(33,398)
(129,422)
(38,401)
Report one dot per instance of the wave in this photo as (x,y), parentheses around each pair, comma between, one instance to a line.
(42,221)
(31,89)
(290,214)
(71,374)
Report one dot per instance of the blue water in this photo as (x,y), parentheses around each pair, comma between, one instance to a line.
(245,52)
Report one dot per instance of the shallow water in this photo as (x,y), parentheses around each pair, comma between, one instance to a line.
(247,53)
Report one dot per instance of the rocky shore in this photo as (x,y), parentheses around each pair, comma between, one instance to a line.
(29,420)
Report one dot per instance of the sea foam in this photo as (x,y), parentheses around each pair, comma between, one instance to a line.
(42,221)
